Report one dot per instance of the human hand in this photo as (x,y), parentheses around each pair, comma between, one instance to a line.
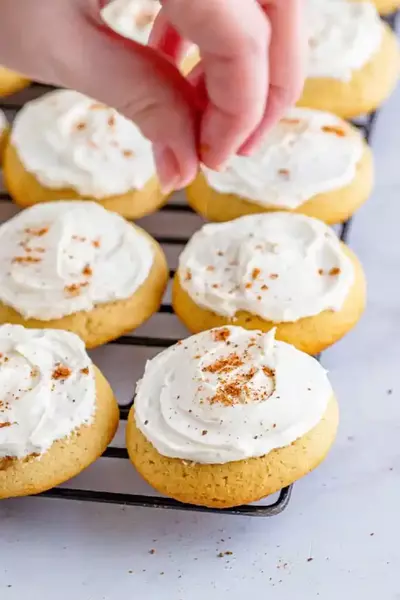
(250,70)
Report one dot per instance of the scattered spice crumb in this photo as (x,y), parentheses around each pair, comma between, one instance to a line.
(26,259)
(310,559)
(320,271)
(210,268)
(290,121)
(188,275)
(127,153)
(268,371)
(215,286)
(37,232)
(80,126)
(85,371)
(111,121)
(264,287)
(248,286)
(339,131)
(334,271)
(204,432)
(255,273)
(152,551)
(221,335)
(61,372)
(284,172)
(146,422)
(274,276)
(87,271)
(6,424)
(96,243)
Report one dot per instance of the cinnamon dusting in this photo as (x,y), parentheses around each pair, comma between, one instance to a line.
(255,273)
(334,271)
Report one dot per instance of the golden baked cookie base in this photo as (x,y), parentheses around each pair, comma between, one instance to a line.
(66,457)
(107,321)
(234,483)
(3,142)
(384,7)
(331,207)
(11,82)
(366,91)
(26,190)
(311,334)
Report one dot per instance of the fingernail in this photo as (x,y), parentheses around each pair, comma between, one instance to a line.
(167,168)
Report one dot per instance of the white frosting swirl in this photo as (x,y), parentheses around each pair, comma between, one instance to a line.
(3,122)
(132,19)
(343,36)
(280,266)
(308,152)
(69,140)
(229,394)
(47,388)
(59,258)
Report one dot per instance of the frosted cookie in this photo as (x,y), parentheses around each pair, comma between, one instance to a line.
(229,416)
(385,7)
(273,270)
(57,412)
(76,266)
(353,58)
(134,20)
(11,82)
(65,146)
(311,162)
(3,134)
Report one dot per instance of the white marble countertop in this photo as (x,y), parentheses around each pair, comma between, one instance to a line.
(339,536)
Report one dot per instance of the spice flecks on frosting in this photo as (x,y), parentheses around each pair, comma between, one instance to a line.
(86,256)
(279,266)
(217,398)
(307,153)
(47,389)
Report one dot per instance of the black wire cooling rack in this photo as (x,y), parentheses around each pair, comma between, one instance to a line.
(366,125)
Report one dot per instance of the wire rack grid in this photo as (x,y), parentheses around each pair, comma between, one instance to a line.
(173,208)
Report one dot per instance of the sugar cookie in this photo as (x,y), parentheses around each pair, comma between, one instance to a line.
(11,82)
(230,416)
(384,7)
(57,412)
(3,134)
(273,270)
(65,146)
(312,162)
(76,266)
(353,62)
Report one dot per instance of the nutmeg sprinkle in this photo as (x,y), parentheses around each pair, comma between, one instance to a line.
(274,276)
(334,271)
(25,260)
(61,372)
(85,371)
(80,126)
(339,131)
(221,335)
(255,273)
(37,232)
(87,271)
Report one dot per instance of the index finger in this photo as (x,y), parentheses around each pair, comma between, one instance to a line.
(233,39)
